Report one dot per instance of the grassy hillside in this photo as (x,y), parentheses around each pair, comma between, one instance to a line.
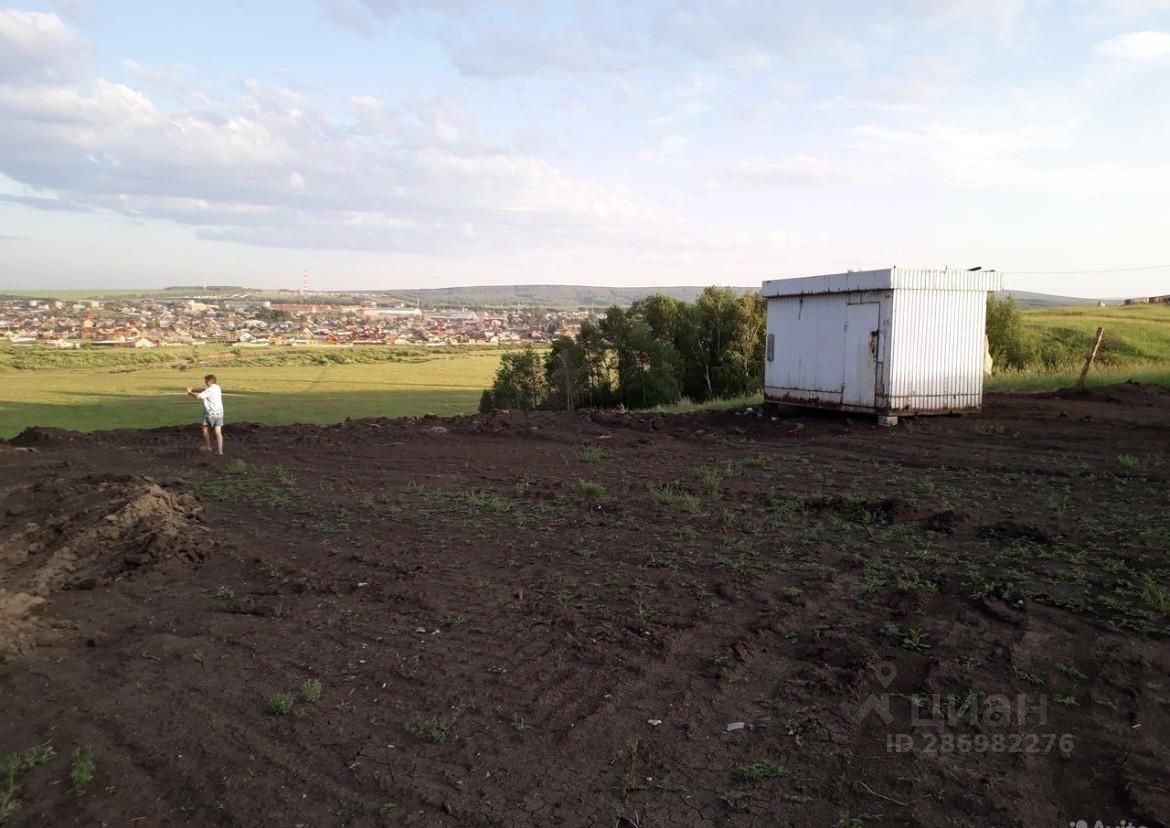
(1134,334)
(89,397)
(1028,299)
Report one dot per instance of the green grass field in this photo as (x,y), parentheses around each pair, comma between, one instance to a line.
(1136,346)
(1134,334)
(95,398)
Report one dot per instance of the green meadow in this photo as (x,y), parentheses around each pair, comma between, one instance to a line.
(116,393)
(1136,346)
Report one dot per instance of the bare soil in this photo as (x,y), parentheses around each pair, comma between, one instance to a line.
(597,619)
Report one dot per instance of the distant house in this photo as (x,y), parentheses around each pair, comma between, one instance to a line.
(143,342)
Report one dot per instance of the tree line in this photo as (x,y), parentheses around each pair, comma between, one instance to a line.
(656,352)
(661,350)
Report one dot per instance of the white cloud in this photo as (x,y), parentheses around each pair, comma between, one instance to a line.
(1136,8)
(274,166)
(37,46)
(802,170)
(1136,46)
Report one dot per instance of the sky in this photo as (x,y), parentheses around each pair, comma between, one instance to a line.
(385,144)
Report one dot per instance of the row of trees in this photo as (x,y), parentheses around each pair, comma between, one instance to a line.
(656,352)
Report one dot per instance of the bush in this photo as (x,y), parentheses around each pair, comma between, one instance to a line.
(1012,345)
(520,382)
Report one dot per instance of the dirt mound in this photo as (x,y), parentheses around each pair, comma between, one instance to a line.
(83,532)
(41,437)
(1123,393)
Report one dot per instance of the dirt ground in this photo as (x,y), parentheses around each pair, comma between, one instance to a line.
(594,619)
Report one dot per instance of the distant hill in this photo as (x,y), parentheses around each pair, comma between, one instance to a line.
(548,296)
(1026,299)
(566,296)
(553,296)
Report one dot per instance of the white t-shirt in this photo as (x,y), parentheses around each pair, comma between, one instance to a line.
(212,398)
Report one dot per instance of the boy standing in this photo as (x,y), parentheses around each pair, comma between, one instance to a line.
(212,397)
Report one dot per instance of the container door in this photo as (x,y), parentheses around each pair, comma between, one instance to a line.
(861,349)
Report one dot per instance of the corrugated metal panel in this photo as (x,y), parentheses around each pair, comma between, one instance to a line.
(831,283)
(936,350)
(900,278)
(909,278)
(809,334)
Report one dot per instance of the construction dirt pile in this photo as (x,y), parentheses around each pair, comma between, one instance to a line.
(81,533)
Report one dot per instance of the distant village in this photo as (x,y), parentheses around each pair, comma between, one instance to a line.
(256,323)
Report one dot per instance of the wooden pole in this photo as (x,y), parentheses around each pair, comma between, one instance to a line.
(1092,356)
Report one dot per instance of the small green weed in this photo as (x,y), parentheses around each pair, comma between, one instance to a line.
(280,704)
(428,728)
(592,454)
(911,639)
(591,489)
(486,501)
(81,772)
(1154,595)
(673,497)
(311,690)
(711,479)
(735,800)
(15,766)
(758,772)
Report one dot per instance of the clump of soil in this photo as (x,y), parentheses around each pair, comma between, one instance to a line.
(82,533)
(883,511)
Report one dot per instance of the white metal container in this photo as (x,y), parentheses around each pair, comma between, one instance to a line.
(891,342)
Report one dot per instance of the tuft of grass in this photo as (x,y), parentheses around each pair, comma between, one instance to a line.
(911,639)
(280,704)
(592,454)
(486,501)
(428,728)
(311,690)
(758,772)
(673,497)
(225,593)
(81,772)
(15,766)
(1127,461)
(686,406)
(591,489)
(735,800)
(1154,595)
(711,479)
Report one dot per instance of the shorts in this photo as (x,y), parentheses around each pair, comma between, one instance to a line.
(214,422)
